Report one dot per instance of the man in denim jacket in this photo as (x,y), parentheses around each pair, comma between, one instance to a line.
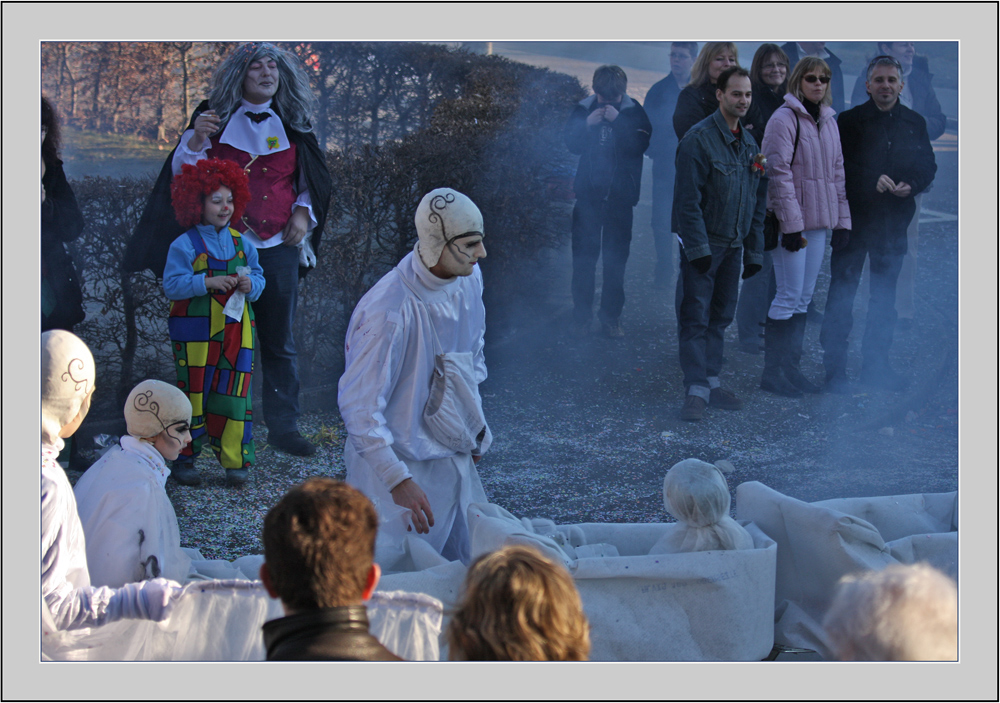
(719,198)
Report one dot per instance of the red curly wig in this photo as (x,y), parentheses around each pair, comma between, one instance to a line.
(193,183)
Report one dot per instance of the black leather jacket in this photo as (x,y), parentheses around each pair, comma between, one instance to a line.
(331,634)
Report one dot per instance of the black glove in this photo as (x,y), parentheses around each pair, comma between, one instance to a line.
(840,239)
(703,264)
(793,241)
(750,270)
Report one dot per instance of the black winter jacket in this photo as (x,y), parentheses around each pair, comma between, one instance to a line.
(331,634)
(631,131)
(894,143)
(765,102)
(925,100)
(62,222)
(660,105)
(694,104)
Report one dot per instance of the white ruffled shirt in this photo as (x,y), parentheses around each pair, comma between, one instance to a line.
(389,360)
(246,135)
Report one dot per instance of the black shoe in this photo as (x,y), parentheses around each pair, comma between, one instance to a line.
(291,443)
(885,378)
(185,473)
(236,477)
(837,382)
(694,408)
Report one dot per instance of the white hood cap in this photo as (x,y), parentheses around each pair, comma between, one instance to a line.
(443,215)
(68,376)
(153,406)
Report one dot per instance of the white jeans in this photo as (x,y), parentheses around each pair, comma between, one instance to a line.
(795,274)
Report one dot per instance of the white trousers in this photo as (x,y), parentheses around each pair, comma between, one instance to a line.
(451,484)
(795,274)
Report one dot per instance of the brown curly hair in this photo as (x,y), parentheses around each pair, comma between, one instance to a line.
(194,183)
(519,606)
(319,544)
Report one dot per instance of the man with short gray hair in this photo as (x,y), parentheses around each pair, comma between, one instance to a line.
(887,160)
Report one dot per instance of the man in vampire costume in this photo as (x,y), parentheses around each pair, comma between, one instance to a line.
(258,115)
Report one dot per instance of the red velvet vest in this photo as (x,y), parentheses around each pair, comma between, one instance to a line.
(272,187)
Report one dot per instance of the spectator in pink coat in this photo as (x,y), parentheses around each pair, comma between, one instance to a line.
(806,191)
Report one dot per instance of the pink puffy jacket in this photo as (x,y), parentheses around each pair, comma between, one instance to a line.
(810,193)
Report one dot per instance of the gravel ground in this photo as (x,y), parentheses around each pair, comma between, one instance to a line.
(585,429)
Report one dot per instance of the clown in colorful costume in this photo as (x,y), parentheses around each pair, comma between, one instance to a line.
(212,275)
(213,352)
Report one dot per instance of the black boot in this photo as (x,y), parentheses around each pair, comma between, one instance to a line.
(793,356)
(776,333)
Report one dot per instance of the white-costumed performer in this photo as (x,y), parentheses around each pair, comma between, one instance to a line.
(409,395)
(128,520)
(67,385)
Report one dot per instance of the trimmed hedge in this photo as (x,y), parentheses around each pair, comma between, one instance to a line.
(494,133)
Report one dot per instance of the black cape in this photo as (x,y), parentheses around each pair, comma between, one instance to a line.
(158,228)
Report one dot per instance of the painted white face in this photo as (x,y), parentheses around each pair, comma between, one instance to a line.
(459,258)
(172,440)
(261,82)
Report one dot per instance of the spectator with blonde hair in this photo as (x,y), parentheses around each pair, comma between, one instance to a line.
(519,606)
(697,101)
(901,613)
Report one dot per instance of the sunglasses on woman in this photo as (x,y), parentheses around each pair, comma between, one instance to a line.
(812,78)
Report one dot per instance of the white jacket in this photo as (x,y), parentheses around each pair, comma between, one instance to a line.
(129,522)
(389,360)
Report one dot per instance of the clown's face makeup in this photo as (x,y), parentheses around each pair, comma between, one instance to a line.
(459,257)
(172,440)
(218,208)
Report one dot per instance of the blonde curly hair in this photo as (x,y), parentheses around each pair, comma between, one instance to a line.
(519,606)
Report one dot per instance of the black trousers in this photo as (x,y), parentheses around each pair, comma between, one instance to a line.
(845,275)
(601,229)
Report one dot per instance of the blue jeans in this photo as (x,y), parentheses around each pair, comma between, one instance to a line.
(600,229)
(275,314)
(708,305)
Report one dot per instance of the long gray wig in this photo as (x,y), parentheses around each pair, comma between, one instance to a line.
(294,99)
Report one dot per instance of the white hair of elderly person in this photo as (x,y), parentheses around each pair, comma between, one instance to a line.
(904,612)
(697,495)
